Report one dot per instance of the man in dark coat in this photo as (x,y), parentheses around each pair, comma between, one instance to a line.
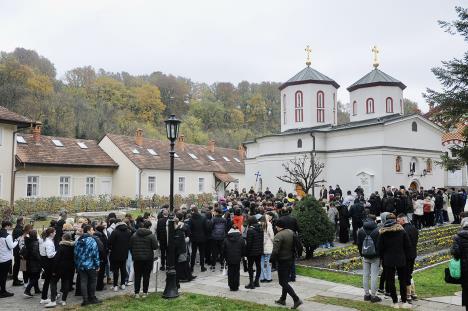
(344,223)
(388,203)
(455,206)
(254,251)
(161,235)
(233,251)
(119,243)
(218,233)
(17,232)
(413,236)
(198,228)
(356,212)
(459,251)
(290,222)
(394,247)
(142,246)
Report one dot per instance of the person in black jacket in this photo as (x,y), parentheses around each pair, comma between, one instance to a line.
(161,235)
(65,265)
(233,251)
(33,262)
(290,223)
(413,236)
(343,215)
(438,208)
(142,246)
(198,227)
(17,232)
(394,247)
(459,251)
(388,203)
(254,251)
(218,233)
(59,228)
(356,212)
(103,245)
(370,262)
(119,242)
(454,200)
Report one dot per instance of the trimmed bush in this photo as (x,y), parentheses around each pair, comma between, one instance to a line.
(315,228)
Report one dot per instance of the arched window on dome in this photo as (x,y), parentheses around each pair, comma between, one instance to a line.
(320,107)
(398,164)
(389,104)
(284,108)
(414,126)
(354,108)
(299,106)
(370,105)
(299,143)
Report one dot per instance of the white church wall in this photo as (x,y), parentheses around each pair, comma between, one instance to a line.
(379,94)
(309,92)
(355,138)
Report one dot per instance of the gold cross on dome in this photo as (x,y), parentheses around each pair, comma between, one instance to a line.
(308,50)
(376,51)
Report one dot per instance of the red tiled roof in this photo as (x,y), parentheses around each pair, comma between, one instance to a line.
(144,160)
(454,135)
(7,116)
(71,154)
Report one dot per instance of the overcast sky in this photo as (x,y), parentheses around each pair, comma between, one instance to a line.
(211,41)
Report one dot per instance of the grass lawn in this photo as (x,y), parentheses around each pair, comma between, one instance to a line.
(358,305)
(185,302)
(429,282)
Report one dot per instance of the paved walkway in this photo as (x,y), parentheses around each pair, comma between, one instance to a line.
(214,284)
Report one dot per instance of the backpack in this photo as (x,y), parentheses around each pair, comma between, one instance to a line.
(298,248)
(368,247)
(426,207)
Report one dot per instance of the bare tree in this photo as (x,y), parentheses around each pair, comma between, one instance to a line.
(303,171)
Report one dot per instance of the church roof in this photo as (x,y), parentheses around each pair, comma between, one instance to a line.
(309,75)
(376,78)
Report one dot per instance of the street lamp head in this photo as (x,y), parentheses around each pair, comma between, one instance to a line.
(172,128)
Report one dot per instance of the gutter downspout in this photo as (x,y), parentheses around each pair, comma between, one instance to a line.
(13,167)
(313,162)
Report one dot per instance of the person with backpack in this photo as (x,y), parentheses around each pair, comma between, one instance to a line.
(367,242)
(218,233)
(283,254)
(394,247)
(254,251)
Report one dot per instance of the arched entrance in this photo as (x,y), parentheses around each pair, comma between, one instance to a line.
(414,185)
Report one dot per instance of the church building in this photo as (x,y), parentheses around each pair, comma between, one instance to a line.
(378,147)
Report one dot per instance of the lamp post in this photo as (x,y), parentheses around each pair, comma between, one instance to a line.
(170,290)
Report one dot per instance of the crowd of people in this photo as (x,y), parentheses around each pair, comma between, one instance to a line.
(242,230)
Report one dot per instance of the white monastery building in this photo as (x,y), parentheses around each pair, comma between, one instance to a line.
(378,147)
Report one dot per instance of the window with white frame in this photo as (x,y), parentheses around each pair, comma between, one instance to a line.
(65,186)
(181,185)
(151,184)
(201,184)
(389,105)
(90,185)
(32,187)
(320,107)
(298,106)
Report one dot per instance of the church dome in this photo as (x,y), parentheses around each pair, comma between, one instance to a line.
(309,75)
(376,78)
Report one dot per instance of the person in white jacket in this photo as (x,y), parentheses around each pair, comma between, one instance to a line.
(6,255)
(268,236)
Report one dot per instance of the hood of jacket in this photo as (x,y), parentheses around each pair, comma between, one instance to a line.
(234,235)
(256,227)
(143,232)
(67,243)
(391,226)
(463,234)
(3,233)
(369,226)
(121,226)
(383,217)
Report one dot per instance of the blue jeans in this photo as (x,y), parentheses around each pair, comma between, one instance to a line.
(266,267)
(439,216)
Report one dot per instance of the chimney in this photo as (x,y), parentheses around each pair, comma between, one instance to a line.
(139,137)
(37,132)
(241,151)
(211,146)
(181,142)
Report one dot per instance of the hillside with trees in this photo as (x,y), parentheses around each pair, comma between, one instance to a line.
(88,103)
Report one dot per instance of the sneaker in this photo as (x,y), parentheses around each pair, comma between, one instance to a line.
(25,285)
(116,288)
(28,294)
(144,295)
(414,297)
(405,305)
(122,287)
(395,305)
(51,304)
(44,301)
(280,302)
(63,303)
(250,286)
(136,295)
(367,297)
(297,303)
(375,299)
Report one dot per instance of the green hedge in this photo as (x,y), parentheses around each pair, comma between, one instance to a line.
(76,204)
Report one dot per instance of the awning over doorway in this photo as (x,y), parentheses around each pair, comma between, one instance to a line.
(224,177)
